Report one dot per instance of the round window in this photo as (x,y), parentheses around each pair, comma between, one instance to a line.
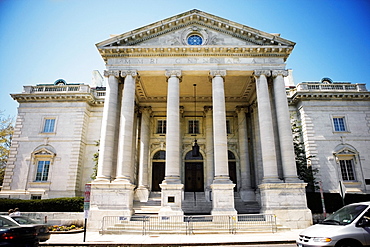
(195,39)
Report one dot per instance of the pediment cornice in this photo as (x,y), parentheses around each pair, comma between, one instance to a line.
(204,51)
(200,18)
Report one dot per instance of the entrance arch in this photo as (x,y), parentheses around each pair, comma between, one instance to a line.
(194,173)
(158,169)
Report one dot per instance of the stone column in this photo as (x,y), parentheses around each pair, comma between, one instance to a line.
(284,127)
(270,172)
(222,187)
(246,192)
(124,162)
(209,151)
(108,129)
(142,191)
(172,188)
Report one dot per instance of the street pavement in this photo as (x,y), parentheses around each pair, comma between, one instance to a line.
(281,239)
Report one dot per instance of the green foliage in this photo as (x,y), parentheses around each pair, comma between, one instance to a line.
(304,171)
(6,133)
(95,159)
(333,201)
(70,204)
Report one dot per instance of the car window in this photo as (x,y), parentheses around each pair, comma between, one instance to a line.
(345,215)
(6,223)
(23,221)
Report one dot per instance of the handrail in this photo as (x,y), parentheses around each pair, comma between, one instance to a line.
(188,224)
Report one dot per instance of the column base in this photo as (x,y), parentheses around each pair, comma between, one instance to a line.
(223,197)
(109,199)
(172,195)
(288,202)
(142,194)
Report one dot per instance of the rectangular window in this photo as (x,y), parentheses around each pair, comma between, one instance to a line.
(42,172)
(161,127)
(339,124)
(49,125)
(35,197)
(193,127)
(346,167)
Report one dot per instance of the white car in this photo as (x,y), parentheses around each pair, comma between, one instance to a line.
(347,227)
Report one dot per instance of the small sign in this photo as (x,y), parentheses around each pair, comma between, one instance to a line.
(87,200)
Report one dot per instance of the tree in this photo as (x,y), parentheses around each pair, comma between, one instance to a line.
(305,172)
(6,133)
(95,159)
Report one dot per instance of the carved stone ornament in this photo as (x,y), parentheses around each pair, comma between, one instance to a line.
(258,73)
(125,73)
(283,73)
(214,73)
(194,30)
(170,73)
(114,73)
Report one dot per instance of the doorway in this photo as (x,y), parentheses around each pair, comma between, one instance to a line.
(194,173)
(158,170)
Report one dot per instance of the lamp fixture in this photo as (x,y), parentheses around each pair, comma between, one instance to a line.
(195,147)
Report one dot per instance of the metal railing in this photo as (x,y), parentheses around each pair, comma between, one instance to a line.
(194,224)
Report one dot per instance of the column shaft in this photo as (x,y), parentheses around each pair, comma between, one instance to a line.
(173,126)
(108,129)
(219,125)
(209,145)
(270,172)
(284,127)
(243,149)
(144,147)
(124,162)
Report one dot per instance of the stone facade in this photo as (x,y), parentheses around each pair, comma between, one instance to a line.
(195,111)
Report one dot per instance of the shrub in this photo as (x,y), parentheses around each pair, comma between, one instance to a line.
(70,204)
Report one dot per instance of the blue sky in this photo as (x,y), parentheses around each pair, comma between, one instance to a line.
(44,40)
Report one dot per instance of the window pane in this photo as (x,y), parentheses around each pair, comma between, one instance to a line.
(339,124)
(346,167)
(42,170)
(161,127)
(193,127)
(228,130)
(49,125)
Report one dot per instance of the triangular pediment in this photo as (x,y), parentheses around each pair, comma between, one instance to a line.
(214,30)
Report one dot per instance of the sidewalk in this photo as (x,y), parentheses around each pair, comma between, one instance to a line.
(169,239)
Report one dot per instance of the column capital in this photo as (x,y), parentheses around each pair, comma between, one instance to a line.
(207,108)
(241,108)
(214,73)
(276,73)
(145,109)
(125,73)
(258,73)
(114,73)
(170,73)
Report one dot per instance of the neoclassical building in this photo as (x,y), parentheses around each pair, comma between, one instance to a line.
(194,118)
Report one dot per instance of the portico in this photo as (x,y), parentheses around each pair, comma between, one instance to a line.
(240,119)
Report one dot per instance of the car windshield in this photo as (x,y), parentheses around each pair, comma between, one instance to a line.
(6,223)
(24,220)
(345,215)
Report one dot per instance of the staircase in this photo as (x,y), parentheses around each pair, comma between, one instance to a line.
(194,203)
(250,207)
(152,206)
